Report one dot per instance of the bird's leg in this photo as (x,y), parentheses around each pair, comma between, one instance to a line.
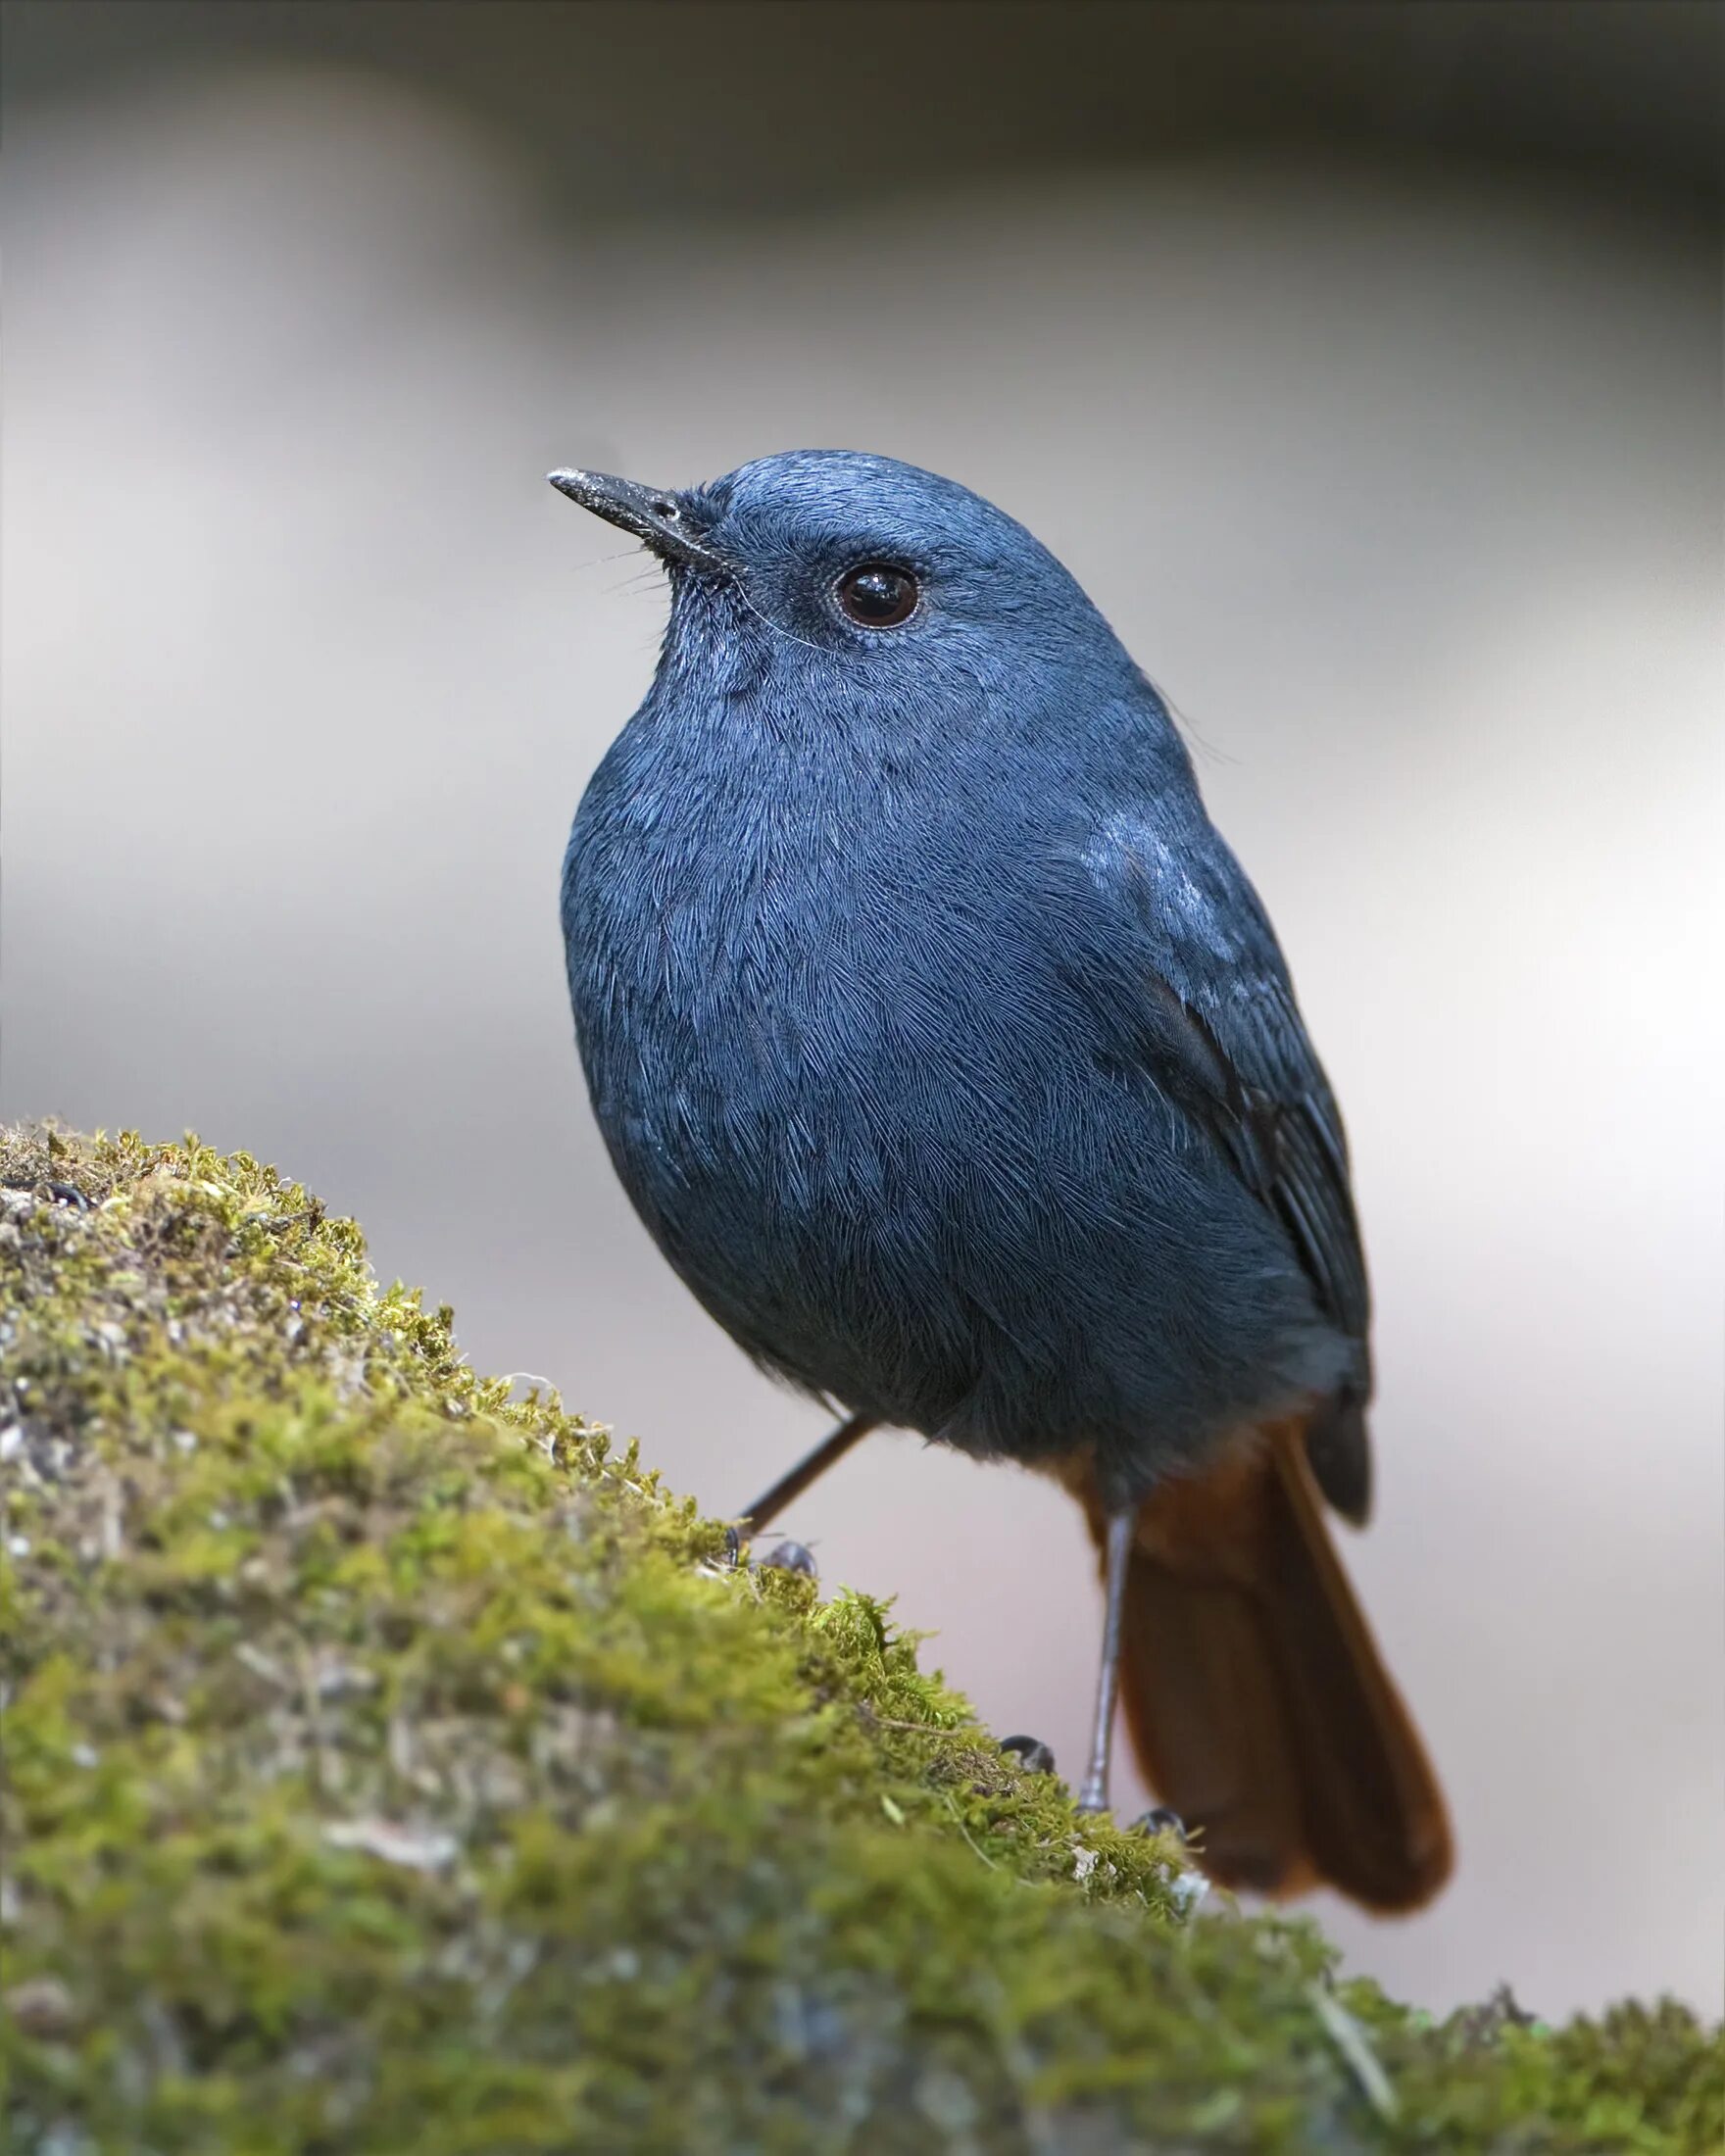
(809,1469)
(1093,1796)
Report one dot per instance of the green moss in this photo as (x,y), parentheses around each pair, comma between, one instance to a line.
(392,1766)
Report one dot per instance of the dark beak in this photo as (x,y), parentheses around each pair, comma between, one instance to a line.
(652,513)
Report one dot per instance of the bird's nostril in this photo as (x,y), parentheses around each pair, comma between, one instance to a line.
(667,509)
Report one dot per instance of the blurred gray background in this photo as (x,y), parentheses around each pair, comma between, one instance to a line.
(1365,362)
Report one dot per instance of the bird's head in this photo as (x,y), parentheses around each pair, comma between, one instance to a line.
(870,579)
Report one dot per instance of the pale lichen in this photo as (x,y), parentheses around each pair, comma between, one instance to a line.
(392,1765)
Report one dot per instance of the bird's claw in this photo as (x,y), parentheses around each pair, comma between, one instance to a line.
(1160,1820)
(1033,1754)
(61,1194)
(786,1556)
(792,1557)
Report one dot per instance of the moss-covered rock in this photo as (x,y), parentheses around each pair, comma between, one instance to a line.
(394,1767)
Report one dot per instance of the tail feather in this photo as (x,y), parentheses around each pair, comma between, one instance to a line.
(1256,1702)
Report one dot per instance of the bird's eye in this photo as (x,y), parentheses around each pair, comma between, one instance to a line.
(876,595)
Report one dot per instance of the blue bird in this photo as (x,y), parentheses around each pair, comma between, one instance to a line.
(951,1061)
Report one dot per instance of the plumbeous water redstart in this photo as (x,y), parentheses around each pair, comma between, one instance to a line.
(951,1060)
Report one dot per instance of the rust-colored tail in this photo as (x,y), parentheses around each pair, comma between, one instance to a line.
(1258,1704)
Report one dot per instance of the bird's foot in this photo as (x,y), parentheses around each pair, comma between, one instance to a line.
(63,1194)
(792,1557)
(1160,1821)
(784,1556)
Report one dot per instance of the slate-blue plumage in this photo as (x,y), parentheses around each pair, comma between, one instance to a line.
(935,1033)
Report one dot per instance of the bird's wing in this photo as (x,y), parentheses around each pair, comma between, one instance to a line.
(1193,970)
